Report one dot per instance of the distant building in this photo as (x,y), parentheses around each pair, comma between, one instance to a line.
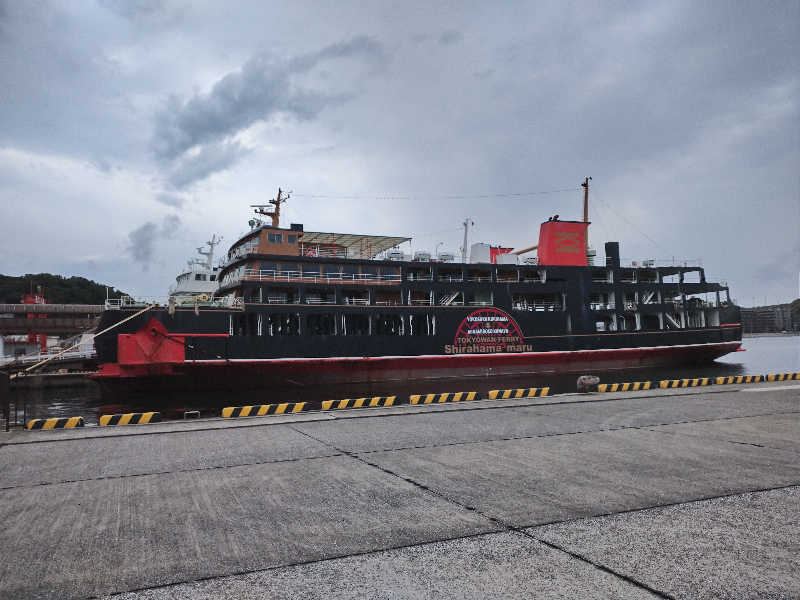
(768,319)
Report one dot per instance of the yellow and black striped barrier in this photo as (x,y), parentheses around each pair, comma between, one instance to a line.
(783,377)
(442,398)
(130,419)
(55,423)
(359,402)
(260,410)
(682,383)
(630,386)
(739,379)
(518,393)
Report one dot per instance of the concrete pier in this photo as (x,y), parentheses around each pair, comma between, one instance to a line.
(678,493)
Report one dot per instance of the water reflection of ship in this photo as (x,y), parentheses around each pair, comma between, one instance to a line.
(200,276)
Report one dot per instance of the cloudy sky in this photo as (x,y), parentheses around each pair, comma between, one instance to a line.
(131,130)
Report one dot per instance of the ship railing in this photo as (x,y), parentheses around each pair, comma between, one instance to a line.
(507,279)
(421,302)
(359,301)
(295,276)
(35,358)
(126,302)
(691,303)
(451,278)
(538,306)
(662,262)
(531,279)
(419,277)
(239,253)
(315,250)
(601,305)
(480,279)
(319,301)
(479,303)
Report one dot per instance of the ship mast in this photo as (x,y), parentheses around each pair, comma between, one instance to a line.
(467,222)
(276,212)
(585,186)
(212,243)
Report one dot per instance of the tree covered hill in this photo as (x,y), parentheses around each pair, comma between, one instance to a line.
(57,289)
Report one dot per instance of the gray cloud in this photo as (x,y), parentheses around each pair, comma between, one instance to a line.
(170,226)
(145,12)
(262,88)
(173,200)
(450,37)
(210,159)
(142,240)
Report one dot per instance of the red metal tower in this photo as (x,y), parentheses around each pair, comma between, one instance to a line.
(36,298)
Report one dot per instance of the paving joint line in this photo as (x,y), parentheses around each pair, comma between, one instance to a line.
(628,578)
(556,434)
(505,527)
(724,440)
(296,564)
(629,511)
(154,473)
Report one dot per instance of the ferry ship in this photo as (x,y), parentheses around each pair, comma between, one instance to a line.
(297,307)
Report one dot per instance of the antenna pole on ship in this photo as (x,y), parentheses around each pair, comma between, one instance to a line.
(276,212)
(467,222)
(585,186)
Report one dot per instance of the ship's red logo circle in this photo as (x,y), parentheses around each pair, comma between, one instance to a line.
(488,327)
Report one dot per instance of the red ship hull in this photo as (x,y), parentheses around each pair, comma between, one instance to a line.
(244,374)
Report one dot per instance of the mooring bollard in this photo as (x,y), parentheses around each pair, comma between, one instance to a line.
(5,397)
(588,383)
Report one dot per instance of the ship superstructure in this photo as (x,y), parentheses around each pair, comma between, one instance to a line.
(333,307)
(199,279)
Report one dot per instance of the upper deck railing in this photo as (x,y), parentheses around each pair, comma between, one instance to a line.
(297,276)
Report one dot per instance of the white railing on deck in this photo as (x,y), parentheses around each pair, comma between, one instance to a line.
(662,262)
(537,306)
(35,358)
(601,305)
(315,250)
(268,275)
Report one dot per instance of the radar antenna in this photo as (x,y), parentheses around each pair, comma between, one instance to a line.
(261,209)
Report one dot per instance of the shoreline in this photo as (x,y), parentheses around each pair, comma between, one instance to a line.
(771,334)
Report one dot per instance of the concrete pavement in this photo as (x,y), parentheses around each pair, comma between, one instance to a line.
(660,494)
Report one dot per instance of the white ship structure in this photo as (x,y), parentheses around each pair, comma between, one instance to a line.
(199,281)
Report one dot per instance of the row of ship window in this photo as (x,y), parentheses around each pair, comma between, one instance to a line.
(280,324)
(523,301)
